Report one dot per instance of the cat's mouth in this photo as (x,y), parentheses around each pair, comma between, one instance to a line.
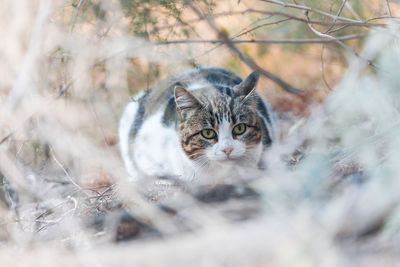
(230,160)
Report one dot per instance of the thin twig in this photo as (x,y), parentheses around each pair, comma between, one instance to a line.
(65,171)
(393,18)
(96,117)
(75,16)
(311,9)
(61,217)
(50,210)
(243,33)
(270,41)
(260,26)
(388,8)
(5,138)
(324,35)
(323,68)
(337,14)
(338,29)
(350,8)
(191,21)
(360,23)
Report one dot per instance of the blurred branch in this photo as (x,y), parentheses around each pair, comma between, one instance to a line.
(388,8)
(359,23)
(323,69)
(5,138)
(270,41)
(245,59)
(23,80)
(63,88)
(75,16)
(311,9)
(12,172)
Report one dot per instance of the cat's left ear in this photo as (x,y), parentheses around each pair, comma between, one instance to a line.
(247,86)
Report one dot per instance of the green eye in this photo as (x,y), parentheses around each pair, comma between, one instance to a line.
(208,134)
(239,129)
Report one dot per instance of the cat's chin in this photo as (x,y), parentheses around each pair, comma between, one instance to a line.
(225,171)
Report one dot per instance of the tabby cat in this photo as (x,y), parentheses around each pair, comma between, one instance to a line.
(205,123)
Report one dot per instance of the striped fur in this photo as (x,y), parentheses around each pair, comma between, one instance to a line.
(162,130)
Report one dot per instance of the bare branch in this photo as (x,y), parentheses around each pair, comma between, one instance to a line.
(243,33)
(359,23)
(75,16)
(353,12)
(394,18)
(323,69)
(388,8)
(5,138)
(260,26)
(191,21)
(338,14)
(245,59)
(270,41)
(65,171)
(324,35)
(311,9)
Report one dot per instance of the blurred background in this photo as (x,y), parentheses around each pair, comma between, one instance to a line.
(330,196)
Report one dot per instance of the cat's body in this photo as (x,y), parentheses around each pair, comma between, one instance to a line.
(203,124)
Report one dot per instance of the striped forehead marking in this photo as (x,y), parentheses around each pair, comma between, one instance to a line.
(222,109)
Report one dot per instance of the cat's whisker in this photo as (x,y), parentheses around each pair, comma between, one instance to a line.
(201,156)
(200,167)
(201,163)
(248,147)
(247,156)
(192,156)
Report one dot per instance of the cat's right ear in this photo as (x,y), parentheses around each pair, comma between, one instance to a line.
(184,99)
(247,86)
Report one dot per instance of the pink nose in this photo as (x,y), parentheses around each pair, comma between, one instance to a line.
(227,150)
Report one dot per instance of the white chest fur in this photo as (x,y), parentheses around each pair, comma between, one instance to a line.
(157,150)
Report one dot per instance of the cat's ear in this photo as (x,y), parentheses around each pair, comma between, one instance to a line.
(247,86)
(184,99)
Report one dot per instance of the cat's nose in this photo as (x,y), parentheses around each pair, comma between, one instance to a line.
(227,150)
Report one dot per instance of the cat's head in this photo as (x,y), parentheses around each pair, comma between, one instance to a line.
(220,125)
